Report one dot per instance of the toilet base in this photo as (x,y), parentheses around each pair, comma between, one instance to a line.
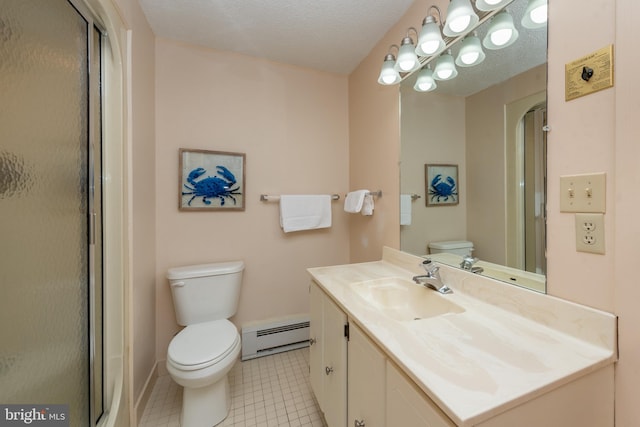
(206,406)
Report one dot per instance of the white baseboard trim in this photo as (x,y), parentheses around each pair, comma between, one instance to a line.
(143,399)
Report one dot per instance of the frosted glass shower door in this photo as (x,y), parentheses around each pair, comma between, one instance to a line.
(46,119)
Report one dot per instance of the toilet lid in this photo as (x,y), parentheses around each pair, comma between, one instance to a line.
(203,344)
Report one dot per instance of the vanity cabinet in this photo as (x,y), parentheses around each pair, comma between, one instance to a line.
(507,358)
(407,405)
(366,386)
(353,381)
(328,356)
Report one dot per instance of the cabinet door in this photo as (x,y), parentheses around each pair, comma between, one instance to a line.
(408,406)
(316,364)
(335,361)
(366,385)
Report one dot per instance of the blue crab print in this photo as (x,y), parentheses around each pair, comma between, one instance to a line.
(211,187)
(442,190)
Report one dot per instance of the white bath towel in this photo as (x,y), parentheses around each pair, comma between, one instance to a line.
(305,212)
(367,205)
(405,209)
(354,201)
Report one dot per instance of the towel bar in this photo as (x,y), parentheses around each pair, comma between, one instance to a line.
(268,198)
(374,193)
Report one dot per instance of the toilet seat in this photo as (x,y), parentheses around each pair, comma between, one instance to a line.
(202,344)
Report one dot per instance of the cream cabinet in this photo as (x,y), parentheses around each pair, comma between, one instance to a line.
(407,405)
(353,381)
(366,385)
(328,356)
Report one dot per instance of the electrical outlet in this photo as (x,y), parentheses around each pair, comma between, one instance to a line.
(590,233)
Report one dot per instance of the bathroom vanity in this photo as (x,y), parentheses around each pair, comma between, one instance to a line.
(387,352)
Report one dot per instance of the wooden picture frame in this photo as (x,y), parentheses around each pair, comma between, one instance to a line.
(441,185)
(211,180)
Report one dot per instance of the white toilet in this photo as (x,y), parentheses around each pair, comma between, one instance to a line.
(459,247)
(202,354)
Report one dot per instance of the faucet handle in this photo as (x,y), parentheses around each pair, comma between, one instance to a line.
(429,266)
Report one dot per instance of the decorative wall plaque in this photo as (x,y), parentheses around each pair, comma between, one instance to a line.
(591,73)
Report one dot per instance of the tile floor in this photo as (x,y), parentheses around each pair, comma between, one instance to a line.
(268,391)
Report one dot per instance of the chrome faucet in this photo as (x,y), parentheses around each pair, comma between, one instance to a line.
(467,264)
(432,278)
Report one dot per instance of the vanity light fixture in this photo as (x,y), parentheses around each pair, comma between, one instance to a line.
(535,16)
(501,32)
(388,73)
(470,52)
(407,59)
(425,81)
(487,5)
(445,67)
(460,17)
(430,40)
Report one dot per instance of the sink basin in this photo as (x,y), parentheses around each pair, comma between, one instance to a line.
(404,300)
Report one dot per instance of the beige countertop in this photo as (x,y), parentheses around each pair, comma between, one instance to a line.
(508,345)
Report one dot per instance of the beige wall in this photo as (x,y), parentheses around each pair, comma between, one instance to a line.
(431,133)
(292,123)
(626,231)
(590,134)
(486,162)
(374,144)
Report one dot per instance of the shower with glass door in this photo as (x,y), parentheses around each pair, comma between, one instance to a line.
(51,308)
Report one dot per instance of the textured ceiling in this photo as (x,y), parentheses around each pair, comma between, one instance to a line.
(326,35)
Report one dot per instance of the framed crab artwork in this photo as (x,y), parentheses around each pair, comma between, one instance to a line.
(211,180)
(441,185)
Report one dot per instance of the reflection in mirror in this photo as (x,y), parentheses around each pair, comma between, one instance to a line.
(489,122)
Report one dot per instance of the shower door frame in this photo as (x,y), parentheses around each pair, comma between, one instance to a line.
(96,34)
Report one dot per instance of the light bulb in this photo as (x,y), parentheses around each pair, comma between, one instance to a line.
(539,14)
(425,81)
(501,32)
(388,74)
(445,67)
(407,58)
(470,52)
(444,74)
(535,16)
(469,58)
(460,23)
(425,87)
(500,37)
(430,46)
(430,39)
(388,79)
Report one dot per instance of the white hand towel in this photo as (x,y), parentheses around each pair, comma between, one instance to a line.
(354,200)
(367,205)
(405,209)
(305,212)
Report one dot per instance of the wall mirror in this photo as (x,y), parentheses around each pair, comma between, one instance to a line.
(488,121)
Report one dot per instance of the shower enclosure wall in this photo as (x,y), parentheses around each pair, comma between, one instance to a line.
(54,305)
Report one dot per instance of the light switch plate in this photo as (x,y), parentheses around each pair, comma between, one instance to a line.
(583,193)
(590,233)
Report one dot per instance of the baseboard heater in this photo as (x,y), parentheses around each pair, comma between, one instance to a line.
(274,336)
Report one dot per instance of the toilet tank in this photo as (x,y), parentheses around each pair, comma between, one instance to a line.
(205,292)
(458,247)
